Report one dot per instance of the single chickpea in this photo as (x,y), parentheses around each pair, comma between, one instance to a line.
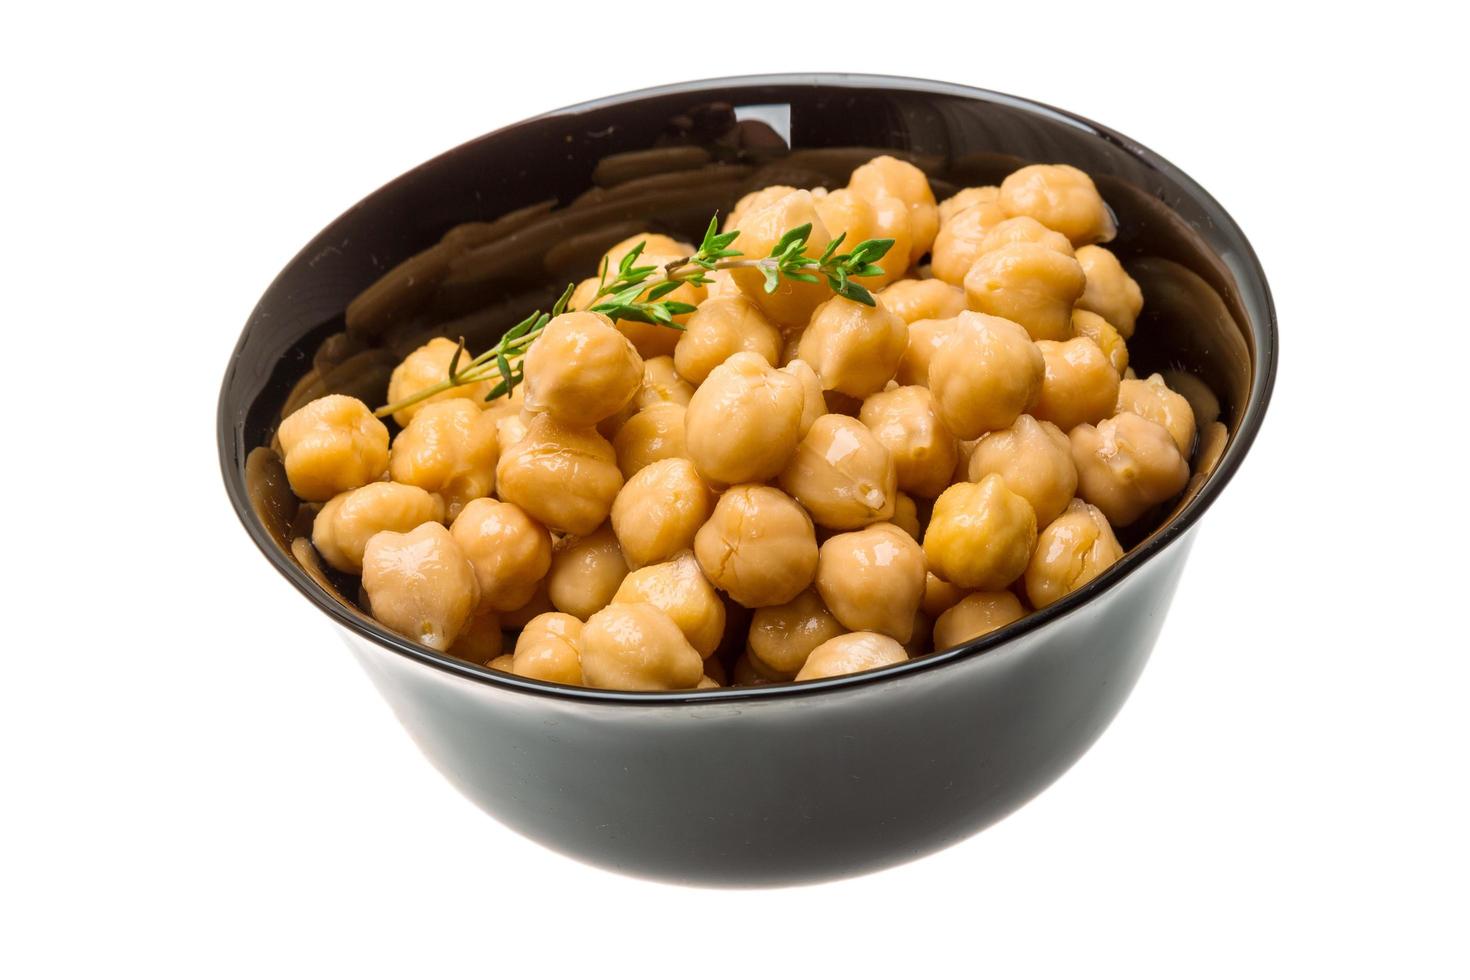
(566,478)
(1153,400)
(511,429)
(719,329)
(748,672)
(1034,459)
(939,595)
(872,579)
(961,238)
(581,370)
(1202,401)
(1079,386)
(657,432)
(912,300)
(813,400)
(906,422)
(925,337)
(549,649)
(782,637)
(332,445)
(744,422)
(851,653)
(754,201)
(855,349)
(506,405)
(450,448)
(721,285)
(1073,550)
(653,244)
(985,374)
(585,295)
(342,528)
(510,552)
(480,641)
(420,585)
(1088,324)
(1111,293)
(842,474)
(906,517)
(659,510)
(424,368)
(1025,231)
(662,383)
(540,603)
(681,591)
(887,176)
(1061,197)
(609,427)
(707,682)
(586,572)
(966,198)
(758,546)
(966,449)
(847,214)
(892,220)
(505,663)
(1126,465)
(637,647)
(1213,439)
(975,615)
(760,229)
(1030,284)
(981,535)
(652,339)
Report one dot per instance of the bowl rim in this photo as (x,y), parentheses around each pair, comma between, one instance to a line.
(1263,376)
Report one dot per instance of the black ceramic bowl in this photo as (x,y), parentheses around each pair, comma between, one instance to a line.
(762,785)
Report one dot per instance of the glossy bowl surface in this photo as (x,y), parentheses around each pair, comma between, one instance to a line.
(782,783)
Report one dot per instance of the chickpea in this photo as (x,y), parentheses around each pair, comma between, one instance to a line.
(760,229)
(842,474)
(813,400)
(480,641)
(1202,401)
(721,285)
(549,649)
(758,546)
(1034,459)
(1126,465)
(1061,197)
(1025,231)
(939,595)
(586,572)
(637,647)
(1213,439)
(872,579)
(714,669)
(985,374)
(659,510)
(925,337)
(975,615)
(609,427)
(960,240)
(744,422)
(540,603)
(419,584)
(653,244)
(782,637)
(651,339)
(1111,293)
(511,429)
(1073,550)
(1153,400)
(707,682)
(906,516)
(1079,386)
(981,535)
(848,214)
(505,663)
(1088,324)
(721,328)
(966,449)
(424,368)
(566,478)
(906,422)
(855,349)
(755,201)
(506,405)
(887,176)
(450,448)
(681,591)
(662,383)
(581,370)
(585,295)
(891,220)
(510,552)
(655,433)
(1030,284)
(922,299)
(851,653)
(332,445)
(342,528)
(748,672)
(967,198)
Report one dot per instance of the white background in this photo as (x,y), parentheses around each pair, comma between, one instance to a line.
(201,783)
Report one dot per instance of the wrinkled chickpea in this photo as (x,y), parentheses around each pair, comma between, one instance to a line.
(342,528)
(1111,293)
(813,400)
(985,374)
(637,647)
(1073,550)
(1061,197)
(922,299)
(549,649)
(419,584)
(980,535)
(1034,459)
(782,637)
(655,433)
(961,241)
(581,370)
(566,478)
(1025,231)
(1079,385)
(1125,465)
(755,201)
(659,510)
(975,615)
(744,422)
(662,383)
(1088,324)
(718,330)
(851,653)
(872,579)
(842,474)
(586,572)
(509,551)
(681,591)
(450,448)
(427,366)
(887,176)
(332,445)
(966,198)
(1031,284)
(905,420)
(1152,399)
(759,546)
(760,229)
(854,348)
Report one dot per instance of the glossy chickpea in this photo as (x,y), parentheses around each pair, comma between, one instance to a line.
(659,510)
(1079,386)
(1031,284)
(891,220)
(872,579)
(424,368)
(813,400)
(1111,293)
(1088,324)
(755,201)
(652,339)
(540,603)
(581,370)
(912,300)
(1061,197)
(510,552)
(585,294)
(939,595)
(975,615)
(450,448)
(653,243)
(851,653)
(854,348)
(637,647)
(1125,465)
(721,284)
(662,383)
(480,641)
(510,429)
(842,474)
(565,478)
(1024,231)
(961,239)
(980,535)
(906,516)
(1213,439)
(782,637)
(888,176)
(342,528)
(1202,401)
(760,229)
(744,422)
(759,546)
(586,572)
(419,584)
(721,328)
(848,214)
(505,663)
(1152,399)
(1073,550)
(1034,459)
(655,433)
(332,445)
(549,649)
(966,198)
(679,588)
(506,405)
(905,420)
(985,374)
(925,337)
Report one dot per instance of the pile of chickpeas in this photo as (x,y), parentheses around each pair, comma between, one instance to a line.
(794,485)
